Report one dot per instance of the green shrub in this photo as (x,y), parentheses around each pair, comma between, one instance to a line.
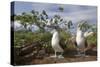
(64,38)
(23,38)
(92,40)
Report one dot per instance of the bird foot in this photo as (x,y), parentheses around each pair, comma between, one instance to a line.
(85,55)
(60,56)
(53,56)
(82,55)
(77,55)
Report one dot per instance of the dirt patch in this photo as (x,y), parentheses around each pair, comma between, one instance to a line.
(69,57)
(49,60)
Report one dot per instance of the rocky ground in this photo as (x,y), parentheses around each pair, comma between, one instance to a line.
(49,60)
(91,56)
(26,56)
(68,58)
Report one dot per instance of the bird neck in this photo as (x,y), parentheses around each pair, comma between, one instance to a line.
(55,35)
(80,33)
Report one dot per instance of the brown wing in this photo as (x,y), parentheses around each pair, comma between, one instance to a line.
(75,43)
(62,45)
(86,44)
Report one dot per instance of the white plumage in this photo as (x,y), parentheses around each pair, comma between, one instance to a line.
(55,43)
(86,34)
(80,39)
(81,42)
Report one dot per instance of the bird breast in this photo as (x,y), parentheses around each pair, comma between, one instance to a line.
(80,39)
(55,42)
(55,38)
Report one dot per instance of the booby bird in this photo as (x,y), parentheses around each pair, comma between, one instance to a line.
(86,34)
(81,42)
(56,44)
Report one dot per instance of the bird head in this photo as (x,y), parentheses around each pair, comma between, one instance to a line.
(53,31)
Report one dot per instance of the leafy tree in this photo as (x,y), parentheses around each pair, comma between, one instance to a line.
(24,18)
(39,19)
(57,20)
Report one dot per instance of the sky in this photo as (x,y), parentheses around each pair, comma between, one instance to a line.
(71,12)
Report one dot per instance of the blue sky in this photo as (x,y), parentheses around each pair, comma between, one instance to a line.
(71,12)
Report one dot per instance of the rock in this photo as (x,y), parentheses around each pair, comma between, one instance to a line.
(42,52)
